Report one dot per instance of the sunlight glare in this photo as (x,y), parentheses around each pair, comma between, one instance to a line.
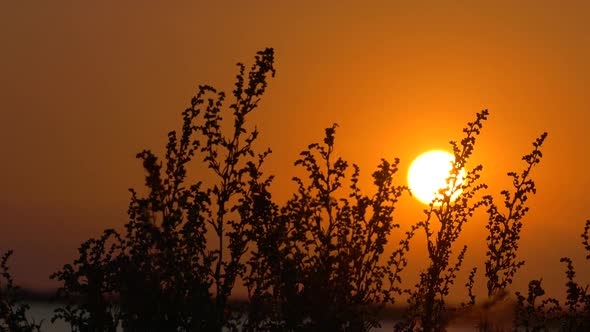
(428,174)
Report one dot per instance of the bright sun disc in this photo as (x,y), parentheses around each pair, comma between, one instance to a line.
(428,174)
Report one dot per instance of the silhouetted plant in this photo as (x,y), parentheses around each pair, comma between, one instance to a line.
(93,277)
(532,312)
(165,273)
(504,233)
(574,315)
(578,296)
(577,315)
(444,222)
(586,238)
(317,264)
(504,228)
(13,313)
(427,309)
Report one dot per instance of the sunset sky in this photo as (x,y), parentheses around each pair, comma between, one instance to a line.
(84,86)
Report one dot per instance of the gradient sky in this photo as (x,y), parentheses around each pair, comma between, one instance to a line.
(84,86)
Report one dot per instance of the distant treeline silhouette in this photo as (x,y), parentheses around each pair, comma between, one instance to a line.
(322,261)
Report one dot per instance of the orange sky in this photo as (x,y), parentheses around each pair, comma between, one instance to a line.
(86,86)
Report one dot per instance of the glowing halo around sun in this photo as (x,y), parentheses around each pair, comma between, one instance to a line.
(428,174)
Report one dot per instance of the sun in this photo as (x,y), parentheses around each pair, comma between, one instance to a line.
(428,174)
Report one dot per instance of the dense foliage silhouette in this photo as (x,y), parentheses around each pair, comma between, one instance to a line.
(12,311)
(536,312)
(318,260)
(166,272)
(322,261)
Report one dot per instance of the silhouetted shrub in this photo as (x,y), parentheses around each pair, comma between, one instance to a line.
(538,313)
(317,265)
(166,272)
(504,228)
(442,225)
(13,313)
(319,262)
